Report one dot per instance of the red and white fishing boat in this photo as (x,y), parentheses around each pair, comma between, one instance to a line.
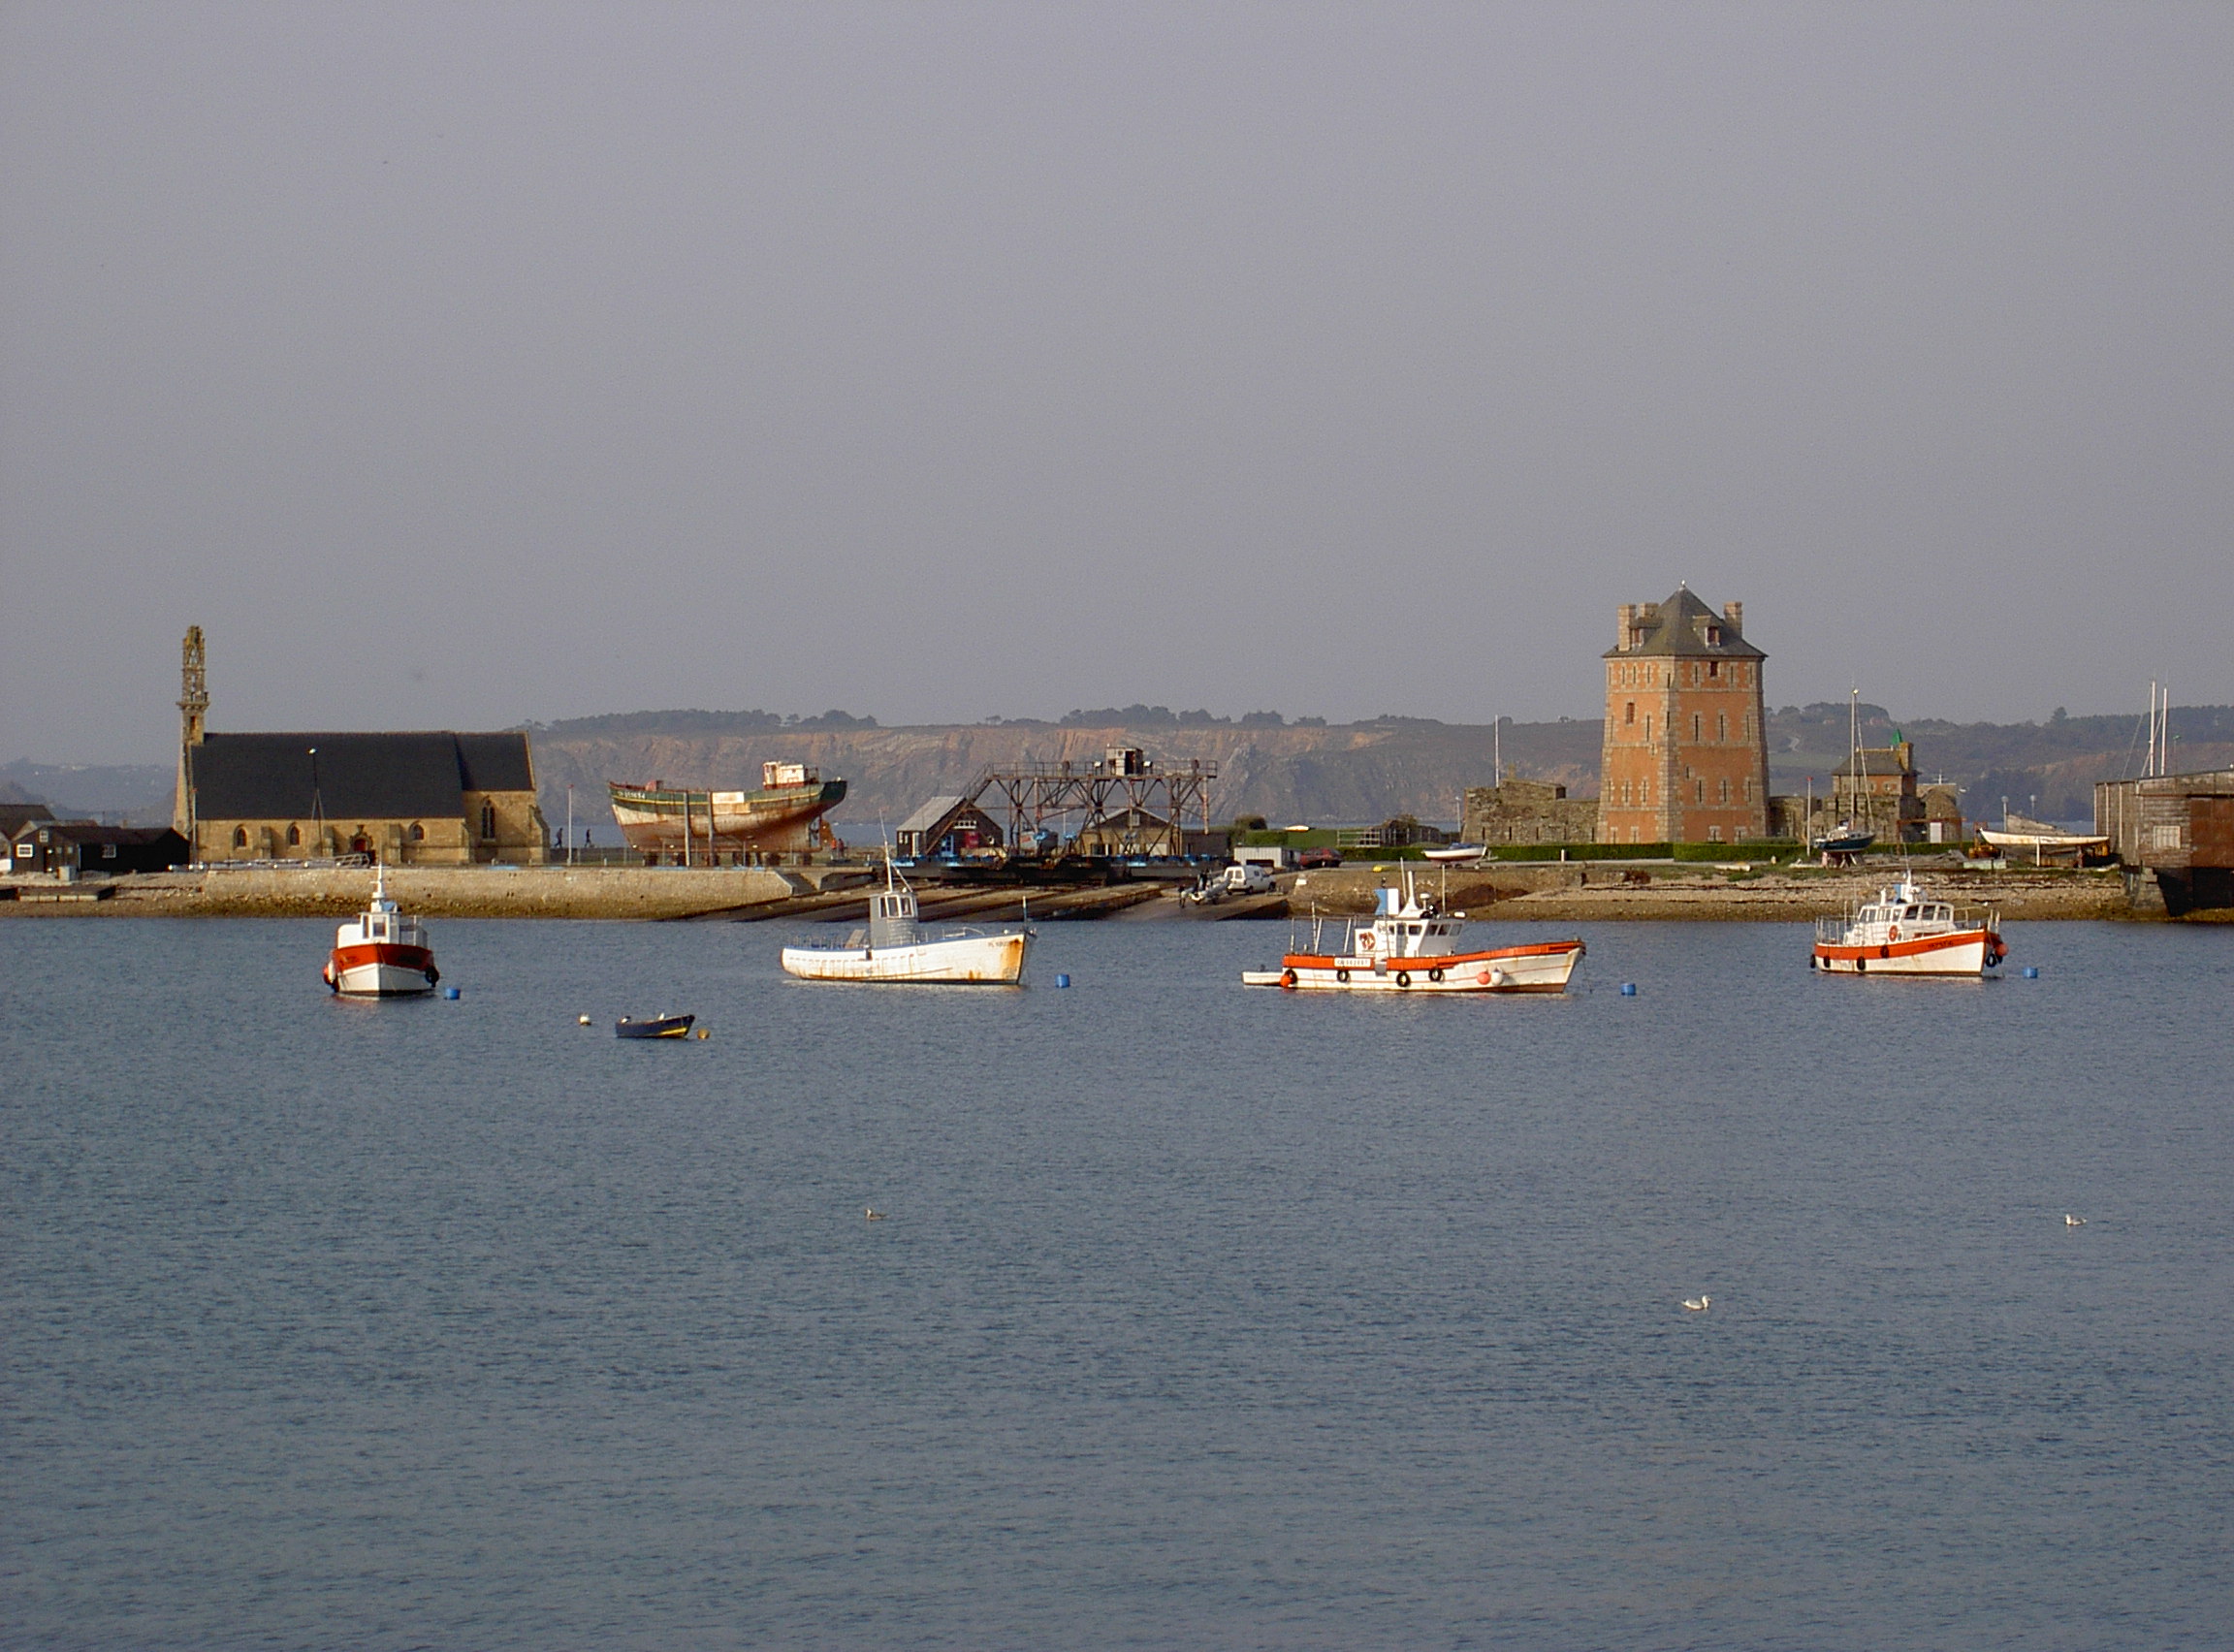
(1905,932)
(381,953)
(1412,946)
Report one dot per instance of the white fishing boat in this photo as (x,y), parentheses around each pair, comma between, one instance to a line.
(1456,852)
(894,949)
(1411,944)
(381,952)
(1906,932)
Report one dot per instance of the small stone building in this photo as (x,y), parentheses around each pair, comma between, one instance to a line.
(1875,789)
(1527,812)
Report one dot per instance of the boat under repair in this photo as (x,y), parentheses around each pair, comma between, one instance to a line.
(783,816)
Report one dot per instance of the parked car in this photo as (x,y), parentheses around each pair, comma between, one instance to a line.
(1313,860)
(1232,880)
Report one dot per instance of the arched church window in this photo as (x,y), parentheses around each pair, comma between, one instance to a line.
(239,836)
(294,834)
(488,820)
(417,832)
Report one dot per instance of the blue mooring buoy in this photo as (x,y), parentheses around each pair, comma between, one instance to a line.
(1061,980)
(2032,971)
(449,992)
(1628,989)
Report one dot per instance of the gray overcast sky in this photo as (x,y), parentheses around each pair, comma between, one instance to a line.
(457,363)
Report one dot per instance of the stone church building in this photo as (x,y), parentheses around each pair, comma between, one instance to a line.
(1686,747)
(424,799)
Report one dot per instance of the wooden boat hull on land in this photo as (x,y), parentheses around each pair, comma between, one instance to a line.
(1543,967)
(956,961)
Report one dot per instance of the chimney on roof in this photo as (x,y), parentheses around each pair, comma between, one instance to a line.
(1735,612)
(1624,626)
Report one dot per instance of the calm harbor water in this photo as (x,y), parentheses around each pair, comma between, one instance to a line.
(1201,1318)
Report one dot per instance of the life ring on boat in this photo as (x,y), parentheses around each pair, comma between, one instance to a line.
(1485,977)
(1893,933)
(1288,980)
(1435,975)
(1342,976)
(1403,977)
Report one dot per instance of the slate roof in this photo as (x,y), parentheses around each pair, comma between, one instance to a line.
(1680,628)
(932,813)
(93,832)
(14,814)
(383,777)
(1875,760)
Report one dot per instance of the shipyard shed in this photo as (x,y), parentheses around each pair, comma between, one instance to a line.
(82,848)
(438,797)
(2177,826)
(947,826)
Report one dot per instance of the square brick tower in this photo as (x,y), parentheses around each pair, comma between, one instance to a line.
(1686,756)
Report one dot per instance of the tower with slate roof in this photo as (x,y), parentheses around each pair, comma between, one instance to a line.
(1686,751)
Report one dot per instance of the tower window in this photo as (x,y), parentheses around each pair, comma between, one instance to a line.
(1714,666)
(1721,725)
(1725,791)
(1629,713)
(1698,791)
(1696,719)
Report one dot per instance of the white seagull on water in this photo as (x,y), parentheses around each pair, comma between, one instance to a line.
(1698,1304)
(2070,1220)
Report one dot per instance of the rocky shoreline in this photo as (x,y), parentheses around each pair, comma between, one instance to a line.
(1551,892)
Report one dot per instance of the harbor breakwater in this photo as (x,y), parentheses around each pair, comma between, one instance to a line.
(431,892)
(1561,892)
